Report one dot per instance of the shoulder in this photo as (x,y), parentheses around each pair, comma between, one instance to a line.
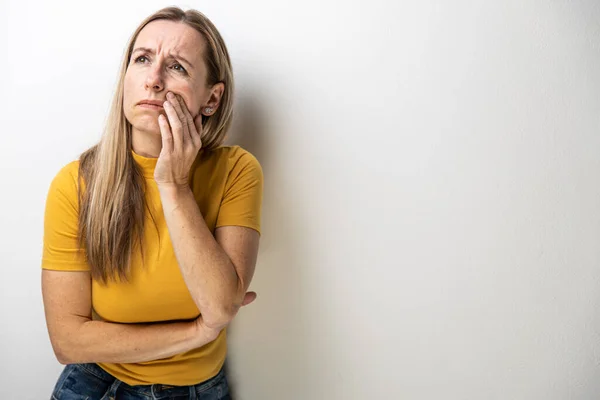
(233,155)
(68,172)
(233,158)
(65,181)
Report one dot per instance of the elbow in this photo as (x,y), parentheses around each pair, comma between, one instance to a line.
(67,344)
(65,350)
(62,359)
(61,353)
(64,356)
(218,319)
(219,316)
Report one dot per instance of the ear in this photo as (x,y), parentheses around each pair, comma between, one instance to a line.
(214,100)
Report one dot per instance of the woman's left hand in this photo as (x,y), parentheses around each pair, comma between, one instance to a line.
(181,141)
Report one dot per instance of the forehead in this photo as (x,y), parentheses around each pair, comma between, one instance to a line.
(172,37)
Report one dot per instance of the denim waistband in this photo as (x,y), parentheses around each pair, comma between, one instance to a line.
(154,390)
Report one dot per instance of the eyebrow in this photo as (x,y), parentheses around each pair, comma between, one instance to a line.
(150,51)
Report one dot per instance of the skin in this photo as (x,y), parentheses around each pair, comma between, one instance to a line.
(152,74)
(217,269)
(167,63)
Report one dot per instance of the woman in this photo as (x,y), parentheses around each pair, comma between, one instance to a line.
(151,237)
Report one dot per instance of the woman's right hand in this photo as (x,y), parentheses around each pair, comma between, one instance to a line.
(206,334)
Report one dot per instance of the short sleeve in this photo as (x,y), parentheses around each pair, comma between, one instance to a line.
(242,199)
(61,250)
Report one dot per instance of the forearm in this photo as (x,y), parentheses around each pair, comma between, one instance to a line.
(208,272)
(99,341)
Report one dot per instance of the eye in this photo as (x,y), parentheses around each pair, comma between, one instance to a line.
(179,67)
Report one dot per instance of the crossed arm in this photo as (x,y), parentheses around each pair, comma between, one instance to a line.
(217,271)
(76,338)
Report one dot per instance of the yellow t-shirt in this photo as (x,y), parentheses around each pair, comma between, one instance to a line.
(227,184)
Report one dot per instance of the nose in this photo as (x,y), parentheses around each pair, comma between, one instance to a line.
(154,79)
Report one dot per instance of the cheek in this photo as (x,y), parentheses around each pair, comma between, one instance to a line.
(192,95)
(127,90)
(133,83)
(192,103)
(194,108)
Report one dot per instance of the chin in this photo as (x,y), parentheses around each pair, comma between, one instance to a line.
(146,124)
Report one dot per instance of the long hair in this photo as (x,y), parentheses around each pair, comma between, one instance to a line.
(111,185)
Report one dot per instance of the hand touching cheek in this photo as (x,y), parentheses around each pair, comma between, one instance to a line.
(181,140)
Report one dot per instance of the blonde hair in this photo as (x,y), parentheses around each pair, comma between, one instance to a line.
(111,184)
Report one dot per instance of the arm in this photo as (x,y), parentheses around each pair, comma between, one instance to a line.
(217,270)
(76,338)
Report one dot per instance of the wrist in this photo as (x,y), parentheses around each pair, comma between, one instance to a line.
(173,191)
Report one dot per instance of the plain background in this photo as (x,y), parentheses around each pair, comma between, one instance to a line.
(432,190)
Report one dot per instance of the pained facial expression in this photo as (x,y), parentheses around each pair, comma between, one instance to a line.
(167,57)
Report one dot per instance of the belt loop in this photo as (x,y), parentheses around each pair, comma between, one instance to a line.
(193,392)
(152,390)
(111,393)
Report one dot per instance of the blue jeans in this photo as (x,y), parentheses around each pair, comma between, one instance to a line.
(90,382)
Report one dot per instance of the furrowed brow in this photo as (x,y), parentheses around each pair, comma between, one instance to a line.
(150,51)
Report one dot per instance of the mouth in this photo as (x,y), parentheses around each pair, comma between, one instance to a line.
(150,106)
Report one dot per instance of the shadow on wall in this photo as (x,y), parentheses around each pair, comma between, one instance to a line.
(268,341)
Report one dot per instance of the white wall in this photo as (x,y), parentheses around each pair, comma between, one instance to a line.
(431,215)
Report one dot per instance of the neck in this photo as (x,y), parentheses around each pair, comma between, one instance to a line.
(146,144)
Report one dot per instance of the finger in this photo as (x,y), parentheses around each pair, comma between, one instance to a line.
(186,116)
(174,100)
(180,109)
(165,134)
(176,127)
(179,106)
(194,133)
